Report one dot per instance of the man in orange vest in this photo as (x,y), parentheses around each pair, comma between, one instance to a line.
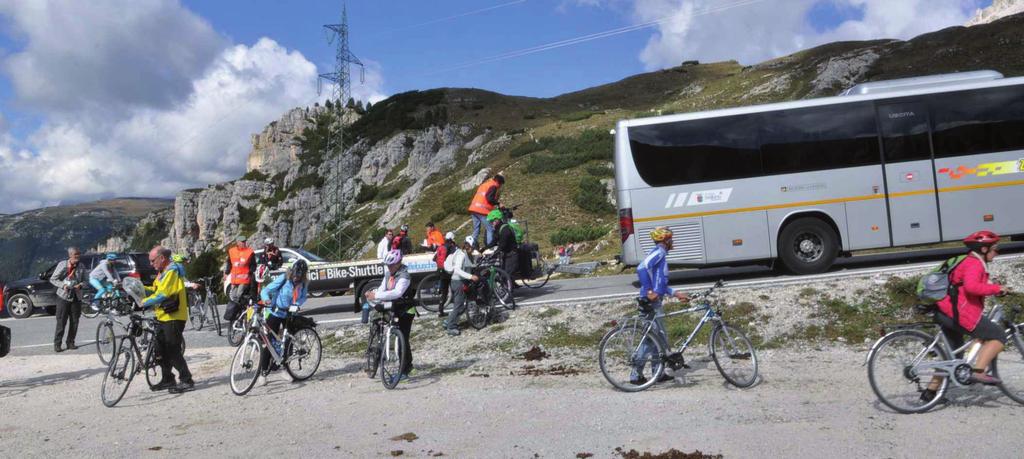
(239,269)
(484,201)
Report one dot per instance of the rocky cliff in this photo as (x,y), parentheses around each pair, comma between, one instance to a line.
(998,10)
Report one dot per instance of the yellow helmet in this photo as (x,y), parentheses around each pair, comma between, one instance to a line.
(661,234)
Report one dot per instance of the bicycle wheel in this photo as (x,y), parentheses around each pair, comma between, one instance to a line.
(893,377)
(373,351)
(245,366)
(119,374)
(502,289)
(1009,367)
(543,269)
(150,364)
(89,312)
(196,312)
(211,306)
(237,331)
(303,354)
(428,293)
(106,341)
(734,355)
(479,309)
(626,350)
(392,358)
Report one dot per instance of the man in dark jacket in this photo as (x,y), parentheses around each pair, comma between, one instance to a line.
(68,277)
(505,242)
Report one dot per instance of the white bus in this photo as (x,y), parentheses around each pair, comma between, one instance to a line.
(886,164)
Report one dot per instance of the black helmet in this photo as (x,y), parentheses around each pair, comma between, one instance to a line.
(298,269)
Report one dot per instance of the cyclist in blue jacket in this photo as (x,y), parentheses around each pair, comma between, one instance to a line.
(653,275)
(290,288)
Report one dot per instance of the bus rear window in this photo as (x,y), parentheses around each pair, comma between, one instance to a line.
(695,151)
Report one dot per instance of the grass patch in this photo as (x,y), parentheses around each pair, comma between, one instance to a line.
(808,292)
(496,328)
(577,116)
(549,313)
(561,336)
(526,148)
(335,346)
(581,233)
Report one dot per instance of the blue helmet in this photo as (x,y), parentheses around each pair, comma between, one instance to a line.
(111,256)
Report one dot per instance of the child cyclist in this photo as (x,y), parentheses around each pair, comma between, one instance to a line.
(290,288)
(103,278)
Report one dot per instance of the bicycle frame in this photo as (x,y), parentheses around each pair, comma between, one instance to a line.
(258,325)
(384,321)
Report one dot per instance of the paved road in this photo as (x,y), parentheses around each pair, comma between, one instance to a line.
(35,334)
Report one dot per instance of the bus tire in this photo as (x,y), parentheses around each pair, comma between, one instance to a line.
(808,245)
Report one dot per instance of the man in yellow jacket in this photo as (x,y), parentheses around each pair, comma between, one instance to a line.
(170,303)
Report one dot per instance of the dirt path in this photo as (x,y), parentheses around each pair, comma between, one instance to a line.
(50,407)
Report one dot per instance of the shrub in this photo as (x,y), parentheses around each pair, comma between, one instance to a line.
(247,219)
(255,175)
(453,202)
(394,189)
(148,235)
(205,264)
(568,152)
(600,170)
(591,196)
(582,233)
(526,148)
(366,193)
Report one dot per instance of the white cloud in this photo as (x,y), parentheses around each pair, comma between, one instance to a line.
(157,152)
(715,30)
(187,124)
(106,55)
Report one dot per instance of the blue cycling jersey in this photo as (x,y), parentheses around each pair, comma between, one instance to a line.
(653,273)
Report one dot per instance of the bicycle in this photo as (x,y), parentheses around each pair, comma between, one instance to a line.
(124,365)
(909,359)
(540,270)
(635,342)
(116,299)
(386,346)
(202,306)
(300,353)
(499,282)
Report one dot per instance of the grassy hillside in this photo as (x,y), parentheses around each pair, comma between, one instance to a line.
(30,241)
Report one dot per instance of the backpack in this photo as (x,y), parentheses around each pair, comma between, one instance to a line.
(449,262)
(5,340)
(517,229)
(935,285)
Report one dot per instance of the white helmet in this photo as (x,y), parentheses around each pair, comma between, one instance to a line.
(449,236)
(470,240)
(393,257)
(268,241)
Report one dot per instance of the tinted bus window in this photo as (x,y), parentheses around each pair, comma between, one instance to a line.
(819,138)
(696,151)
(978,121)
(904,131)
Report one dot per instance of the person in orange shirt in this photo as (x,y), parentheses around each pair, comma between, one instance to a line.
(485,200)
(434,238)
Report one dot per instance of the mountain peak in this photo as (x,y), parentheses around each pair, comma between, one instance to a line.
(998,10)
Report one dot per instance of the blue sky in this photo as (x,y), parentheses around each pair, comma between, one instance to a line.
(147,97)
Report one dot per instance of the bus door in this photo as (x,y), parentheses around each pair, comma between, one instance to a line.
(909,174)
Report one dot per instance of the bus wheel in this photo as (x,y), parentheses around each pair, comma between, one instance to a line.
(808,246)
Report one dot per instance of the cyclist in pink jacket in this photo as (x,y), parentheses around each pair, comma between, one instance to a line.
(971,279)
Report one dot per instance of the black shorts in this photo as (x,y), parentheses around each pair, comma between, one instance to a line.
(988,330)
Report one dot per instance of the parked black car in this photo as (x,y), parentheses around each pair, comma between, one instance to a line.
(23,297)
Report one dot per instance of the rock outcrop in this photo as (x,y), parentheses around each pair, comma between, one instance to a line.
(998,10)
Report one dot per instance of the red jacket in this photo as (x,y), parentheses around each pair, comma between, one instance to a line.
(971,279)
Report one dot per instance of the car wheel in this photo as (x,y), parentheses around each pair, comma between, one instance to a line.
(20,306)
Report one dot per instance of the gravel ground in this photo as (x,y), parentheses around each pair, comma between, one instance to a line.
(476,396)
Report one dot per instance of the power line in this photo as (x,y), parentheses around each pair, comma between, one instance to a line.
(449,18)
(590,37)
